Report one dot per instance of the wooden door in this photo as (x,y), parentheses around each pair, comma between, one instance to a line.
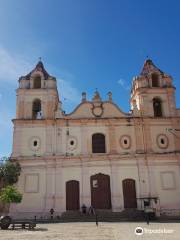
(129,193)
(72,195)
(100,191)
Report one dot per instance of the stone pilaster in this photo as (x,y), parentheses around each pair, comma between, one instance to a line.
(20,109)
(143,175)
(50,187)
(49,137)
(147,136)
(138,136)
(176,134)
(59,198)
(17,141)
(85,197)
(171,102)
(28,110)
(112,139)
(116,197)
(84,139)
(58,140)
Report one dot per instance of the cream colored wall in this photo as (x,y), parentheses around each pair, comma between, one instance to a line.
(32,202)
(51,142)
(25,98)
(161,129)
(27,134)
(169,198)
(125,130)
(74,134)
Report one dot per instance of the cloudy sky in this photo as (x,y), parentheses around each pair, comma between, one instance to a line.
(86,44)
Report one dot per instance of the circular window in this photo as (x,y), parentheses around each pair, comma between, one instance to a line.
(34,143)
(72,143)
(125,142)
(162,141)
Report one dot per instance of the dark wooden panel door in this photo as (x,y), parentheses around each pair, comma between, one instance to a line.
(72,195)
(100,191)
(129,193)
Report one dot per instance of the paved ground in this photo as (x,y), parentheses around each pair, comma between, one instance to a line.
(89,231)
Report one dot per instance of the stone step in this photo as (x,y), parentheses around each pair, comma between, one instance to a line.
(103,215)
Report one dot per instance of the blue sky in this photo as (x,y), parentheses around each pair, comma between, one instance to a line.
(86,45)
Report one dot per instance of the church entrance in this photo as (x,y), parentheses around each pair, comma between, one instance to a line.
(100,191)
(72,195)
(129,193)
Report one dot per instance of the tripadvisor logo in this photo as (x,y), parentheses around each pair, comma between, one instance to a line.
(139,231)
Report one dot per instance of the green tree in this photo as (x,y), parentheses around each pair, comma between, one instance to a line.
(10,194)
(9,173)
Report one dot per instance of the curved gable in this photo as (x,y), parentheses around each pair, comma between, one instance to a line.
(112,110)
(84,110)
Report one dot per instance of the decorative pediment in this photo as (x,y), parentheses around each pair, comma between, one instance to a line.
(103,110)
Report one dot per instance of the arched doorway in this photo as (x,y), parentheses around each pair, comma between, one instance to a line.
(100,191)
(72,195)
(129,193)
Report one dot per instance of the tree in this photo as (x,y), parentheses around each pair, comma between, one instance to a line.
(10,194)
(9,173)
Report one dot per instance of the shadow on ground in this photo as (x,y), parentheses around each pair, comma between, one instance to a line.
(31,230)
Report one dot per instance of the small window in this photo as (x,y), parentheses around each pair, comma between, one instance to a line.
(37,82)
(162,141)
(125,142)
(71,142)
(155,80)
(34,143)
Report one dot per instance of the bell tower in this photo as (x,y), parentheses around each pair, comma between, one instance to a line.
(153,93)
(37,95)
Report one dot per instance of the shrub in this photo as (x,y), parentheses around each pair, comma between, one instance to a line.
(10,194)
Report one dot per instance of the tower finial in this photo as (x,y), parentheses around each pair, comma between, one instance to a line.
(40,59)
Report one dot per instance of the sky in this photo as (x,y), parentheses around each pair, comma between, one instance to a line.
(85,44)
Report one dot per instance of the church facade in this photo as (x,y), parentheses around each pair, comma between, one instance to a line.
(97,155)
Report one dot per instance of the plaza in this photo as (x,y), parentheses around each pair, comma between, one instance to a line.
(89,231)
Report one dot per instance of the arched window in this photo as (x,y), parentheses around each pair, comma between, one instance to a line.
(36,108)
(155,80)
(37,82)
(157,106)
(98,143)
